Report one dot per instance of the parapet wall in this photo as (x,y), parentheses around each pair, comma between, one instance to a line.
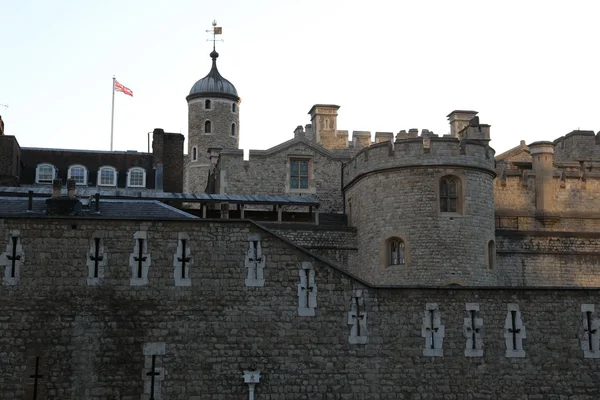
(575,188)
(420,151)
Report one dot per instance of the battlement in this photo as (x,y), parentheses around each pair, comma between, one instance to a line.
(409,151)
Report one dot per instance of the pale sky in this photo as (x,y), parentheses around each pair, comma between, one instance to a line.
(531,68)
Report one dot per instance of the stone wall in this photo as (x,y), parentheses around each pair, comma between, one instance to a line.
(267,173)
(90,339)
(336,245)
(548,258)
(576,202)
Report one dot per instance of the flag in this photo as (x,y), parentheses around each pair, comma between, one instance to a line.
(121,88)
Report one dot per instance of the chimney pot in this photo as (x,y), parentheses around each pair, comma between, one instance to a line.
(56,186)
(71,188)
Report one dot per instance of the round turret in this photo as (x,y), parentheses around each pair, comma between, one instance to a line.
(213,123)
(423,208)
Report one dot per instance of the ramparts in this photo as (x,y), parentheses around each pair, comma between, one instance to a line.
(420,152)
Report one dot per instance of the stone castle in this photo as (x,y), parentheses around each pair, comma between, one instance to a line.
(331,266)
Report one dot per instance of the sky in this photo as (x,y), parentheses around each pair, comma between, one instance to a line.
(530,68)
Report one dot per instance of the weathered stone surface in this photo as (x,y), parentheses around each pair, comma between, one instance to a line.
(92,337)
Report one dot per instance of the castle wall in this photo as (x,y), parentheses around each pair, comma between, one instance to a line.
(576,202)
(394,194)
(268,174)
(90,338)
(337,245)
(548,259)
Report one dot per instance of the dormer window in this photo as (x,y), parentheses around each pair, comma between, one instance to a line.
(136,177)
(207,127)
(207,105)
(79,174)
(107,176)
(45,173)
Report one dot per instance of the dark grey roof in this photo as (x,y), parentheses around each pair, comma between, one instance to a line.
(146,194)
(109,208)
(213,84)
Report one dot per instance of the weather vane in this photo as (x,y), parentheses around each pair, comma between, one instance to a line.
(216,30)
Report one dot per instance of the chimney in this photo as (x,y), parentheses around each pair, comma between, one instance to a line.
(459,120)
(56,185)
(71,188)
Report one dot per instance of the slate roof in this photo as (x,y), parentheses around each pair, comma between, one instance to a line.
(145,194)
(109,208)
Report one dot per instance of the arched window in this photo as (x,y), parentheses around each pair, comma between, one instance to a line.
(136,177)
(79,173)
(207,127)
(107,176)
(397,251)
(449,194)
(194,153)
(491,253)
(234,107)
(207,105)
(45,173)
(232,129)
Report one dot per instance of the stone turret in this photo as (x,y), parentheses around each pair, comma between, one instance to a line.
(423,208)
(542,158)
(213,122)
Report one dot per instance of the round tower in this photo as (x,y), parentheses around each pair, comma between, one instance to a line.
(423,208)
(213,123)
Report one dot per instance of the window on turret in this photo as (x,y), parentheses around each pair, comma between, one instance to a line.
(194,153)
(232,129)
(397,251)
(207,127)
(207,105)
(233,107)
(449,191)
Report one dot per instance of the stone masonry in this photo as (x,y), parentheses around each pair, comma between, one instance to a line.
(92,340)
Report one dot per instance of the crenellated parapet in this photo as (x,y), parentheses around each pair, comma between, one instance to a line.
(413,152)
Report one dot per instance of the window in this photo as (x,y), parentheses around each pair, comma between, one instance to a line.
(299,173)
(207,104)
(207,127)
(194,153)
(232,129)
(491,253)
(136,177)
(397,252)
(449,189)
(234,107)
(107,176)
(45,173)
(79,173)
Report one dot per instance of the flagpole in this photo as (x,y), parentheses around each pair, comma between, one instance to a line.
(112,115)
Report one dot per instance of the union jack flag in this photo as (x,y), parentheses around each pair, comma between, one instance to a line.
(123,89)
